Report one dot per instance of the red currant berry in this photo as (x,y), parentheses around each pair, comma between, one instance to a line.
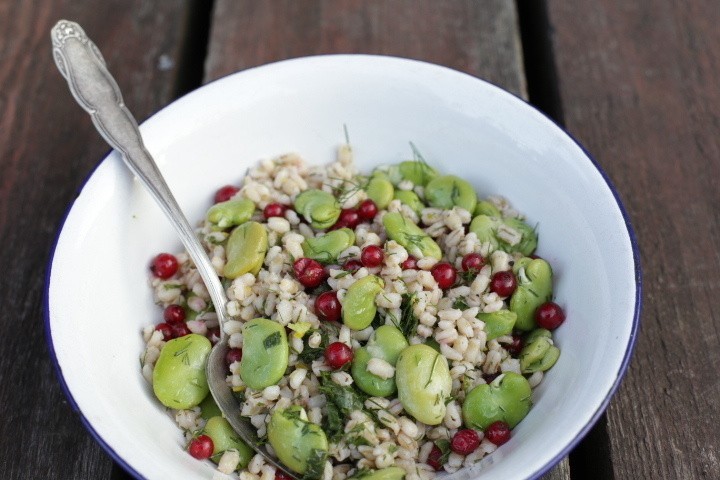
(549,315)
(174,314)
(225,193)
(280,475)
(274,210)
(472,262)
(201,447)
(367,210)
(180,330)
(338,354)
(372,256)
(465,442)
(516,346)
(309,272)
(410,263)
(444,274)
(498,432)
(503,283)
(166,330)
(233,355)
(350,217)
(435,458)
(164,266)
(353,265)
(327,306)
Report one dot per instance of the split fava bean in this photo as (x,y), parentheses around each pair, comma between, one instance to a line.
(410,199)
(380,190)
(208,408)
(529,240)
(295,440)
(179,379)
(419,173)
(534,288)
(498,323)
(320,208)
(423,383)
(245,250)
(224,438)
(418,243)
(326,247)
(230,213)
(448,191)
(386,343)
(485,227)
(358,306)
(265,353)
(507,398)
(538,354)
(390,473)
(484,207)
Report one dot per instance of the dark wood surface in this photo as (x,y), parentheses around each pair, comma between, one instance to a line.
(639,85)
(635,82)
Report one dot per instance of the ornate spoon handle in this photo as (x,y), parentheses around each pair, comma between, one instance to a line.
(95,89)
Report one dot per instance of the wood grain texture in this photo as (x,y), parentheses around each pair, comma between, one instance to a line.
(480,38)
(639,87)
(47,147)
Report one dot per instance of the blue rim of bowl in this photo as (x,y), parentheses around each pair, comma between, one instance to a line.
(628,225)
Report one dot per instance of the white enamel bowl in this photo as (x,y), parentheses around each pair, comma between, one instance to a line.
(98,298)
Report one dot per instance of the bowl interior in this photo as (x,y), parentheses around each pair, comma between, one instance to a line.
(98,295)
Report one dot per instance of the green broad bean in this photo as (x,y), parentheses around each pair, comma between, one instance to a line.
(321,209)
(538,354)
(484,207)
(179,379)
(537,333)
(448,191)
(534,288)
(423,383)
(380,190)
(521,263)
(296,441)
(326,247)
(265,353)
(507,398)
(230,213)
(245,250)
(224,438)
(386,343)
(529,240)
(410,199)
(419,173)
(485,227)
(390,473)
(358,306)
(498,323)
(208,408)
(413,238)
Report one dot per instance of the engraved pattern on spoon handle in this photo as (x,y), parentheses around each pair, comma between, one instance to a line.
(95,89)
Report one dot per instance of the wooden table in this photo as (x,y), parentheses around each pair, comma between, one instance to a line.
(635,81)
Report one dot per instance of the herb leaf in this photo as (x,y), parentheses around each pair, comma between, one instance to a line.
(272,340)
(408,320)
(315,465)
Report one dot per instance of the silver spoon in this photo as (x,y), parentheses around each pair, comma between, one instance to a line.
(81,63)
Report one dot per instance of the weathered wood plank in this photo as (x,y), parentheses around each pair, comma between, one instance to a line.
(480,38)
(639,87)
(47,147)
